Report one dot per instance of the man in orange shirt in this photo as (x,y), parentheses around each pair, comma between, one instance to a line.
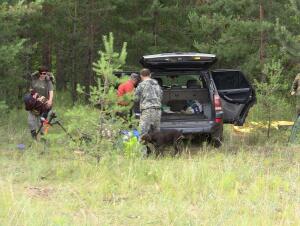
(128,87)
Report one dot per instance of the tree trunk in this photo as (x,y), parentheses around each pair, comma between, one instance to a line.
(262,53)
(154,27)
(269,123)
(46,53)
(60,74)
(90,51)
(74,56)
(46,44)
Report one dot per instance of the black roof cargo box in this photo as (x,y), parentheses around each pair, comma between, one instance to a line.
(178,61)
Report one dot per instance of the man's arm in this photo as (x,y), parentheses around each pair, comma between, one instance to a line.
(51,94)
(160,93)
(138,93)
(50,101)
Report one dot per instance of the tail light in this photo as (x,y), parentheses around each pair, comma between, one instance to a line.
(218,108)
(218,120)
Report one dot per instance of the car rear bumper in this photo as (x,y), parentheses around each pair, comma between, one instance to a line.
(204,127)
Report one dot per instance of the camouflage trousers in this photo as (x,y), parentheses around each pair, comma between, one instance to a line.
(298,105)
(150,117)
(34,121)
(295,134)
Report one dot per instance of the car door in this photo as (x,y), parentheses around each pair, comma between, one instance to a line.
(237,95)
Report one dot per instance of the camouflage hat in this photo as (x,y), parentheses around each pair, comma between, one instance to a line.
(135,76)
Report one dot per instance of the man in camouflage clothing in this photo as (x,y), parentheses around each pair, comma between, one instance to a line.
(149,95)
(296,91)
(295,134)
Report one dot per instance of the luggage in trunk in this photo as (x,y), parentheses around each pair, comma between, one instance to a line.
(183,104)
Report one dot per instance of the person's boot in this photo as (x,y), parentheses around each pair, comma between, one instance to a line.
(33,134)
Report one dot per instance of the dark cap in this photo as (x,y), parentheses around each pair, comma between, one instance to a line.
(43,69)
(135,76)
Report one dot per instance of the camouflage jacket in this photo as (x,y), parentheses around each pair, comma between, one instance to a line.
(149,94)
(296,85)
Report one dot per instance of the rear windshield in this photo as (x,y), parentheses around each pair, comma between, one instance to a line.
(180,80)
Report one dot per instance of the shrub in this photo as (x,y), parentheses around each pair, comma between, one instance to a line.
(268,91)
(100,121)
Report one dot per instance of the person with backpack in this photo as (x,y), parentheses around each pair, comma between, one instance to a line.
(41,87)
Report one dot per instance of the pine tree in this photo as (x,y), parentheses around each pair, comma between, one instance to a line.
(12,49)
(269,91)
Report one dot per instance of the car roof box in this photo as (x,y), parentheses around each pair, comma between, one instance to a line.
(178,61)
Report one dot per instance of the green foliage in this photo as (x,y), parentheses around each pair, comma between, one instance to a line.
(83,124)
(109,61)
(104,127)
(104,92)
(63,35)
(32,33)
(226,31)
(46,189)
(12,46)
(288,35)
(132,148)
(3,106)
(70,188)
(273,71)
(268,91)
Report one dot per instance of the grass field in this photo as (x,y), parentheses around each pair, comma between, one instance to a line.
(249,181)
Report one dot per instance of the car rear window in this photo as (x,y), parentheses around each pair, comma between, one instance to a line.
(182,81)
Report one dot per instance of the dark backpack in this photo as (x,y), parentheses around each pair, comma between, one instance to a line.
(34,105)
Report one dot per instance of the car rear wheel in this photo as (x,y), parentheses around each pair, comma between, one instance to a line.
(216,138)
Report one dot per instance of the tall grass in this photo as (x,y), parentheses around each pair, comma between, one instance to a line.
(249,181)
(248,187)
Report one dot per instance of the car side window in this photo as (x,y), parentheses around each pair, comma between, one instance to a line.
(230,80)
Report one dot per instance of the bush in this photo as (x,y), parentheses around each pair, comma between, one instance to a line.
(3,107)
(100,123)
(268,91)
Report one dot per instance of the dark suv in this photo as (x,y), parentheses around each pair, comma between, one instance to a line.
(197,100)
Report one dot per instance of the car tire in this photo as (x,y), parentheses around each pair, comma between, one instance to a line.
(216,142)
(216,139)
